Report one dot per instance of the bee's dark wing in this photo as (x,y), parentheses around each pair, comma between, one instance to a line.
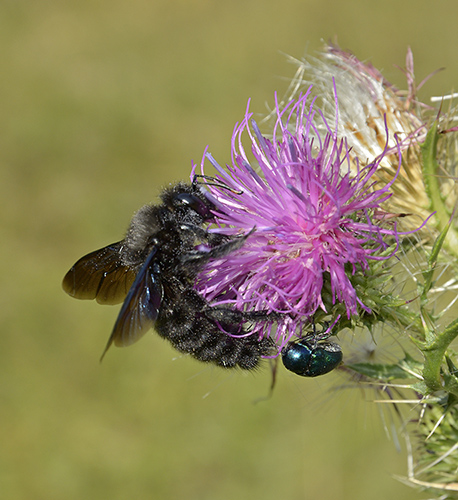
(100,275)
(140,308)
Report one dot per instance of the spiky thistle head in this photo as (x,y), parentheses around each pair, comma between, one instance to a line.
(318,217)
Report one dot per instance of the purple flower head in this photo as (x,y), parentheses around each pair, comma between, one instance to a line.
(317,223)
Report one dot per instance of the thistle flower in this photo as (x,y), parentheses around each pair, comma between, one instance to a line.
(319,223)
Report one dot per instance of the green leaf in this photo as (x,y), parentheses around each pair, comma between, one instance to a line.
(380,371)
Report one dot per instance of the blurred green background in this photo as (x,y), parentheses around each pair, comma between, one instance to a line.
(102,104)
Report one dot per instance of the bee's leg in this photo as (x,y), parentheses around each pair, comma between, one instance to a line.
(201,257)
(228,316)
(213,239)
(231,322)
(196,230)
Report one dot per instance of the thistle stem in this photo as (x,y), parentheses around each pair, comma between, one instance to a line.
(434,352)
(431,180)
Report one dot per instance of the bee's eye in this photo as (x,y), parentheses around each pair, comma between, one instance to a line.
(195,203)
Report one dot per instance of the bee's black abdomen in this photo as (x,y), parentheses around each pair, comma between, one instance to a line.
(201,337)
(211,345)
(223,350)
(252,352)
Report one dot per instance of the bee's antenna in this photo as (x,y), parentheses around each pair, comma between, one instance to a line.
(214,182)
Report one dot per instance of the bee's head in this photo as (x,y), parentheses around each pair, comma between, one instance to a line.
(194,202)
(189,200)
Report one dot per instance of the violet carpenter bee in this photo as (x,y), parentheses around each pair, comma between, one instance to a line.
(153,270)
